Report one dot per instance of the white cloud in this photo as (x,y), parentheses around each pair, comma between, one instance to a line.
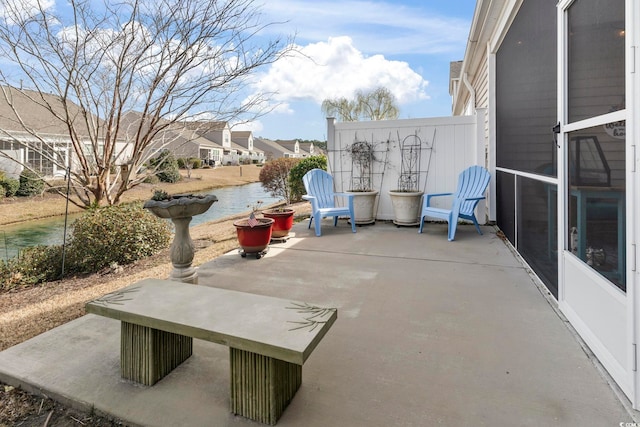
(14,11)
(381,27)
(337,69)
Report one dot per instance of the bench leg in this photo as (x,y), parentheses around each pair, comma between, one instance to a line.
(261,386)
(147,354)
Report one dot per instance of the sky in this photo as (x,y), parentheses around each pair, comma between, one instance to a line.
(350,45)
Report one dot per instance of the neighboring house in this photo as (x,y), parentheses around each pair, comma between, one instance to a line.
(187,145)
(308,149)
(271,149)
(560,85)
(48,152)
(454,81)
(245,140)
(280,148)
(292,146)
(220,133)
(183,139)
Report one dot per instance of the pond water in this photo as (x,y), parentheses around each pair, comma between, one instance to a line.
(231,201)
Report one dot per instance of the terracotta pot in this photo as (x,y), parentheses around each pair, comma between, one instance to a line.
(283,221)
(254,240)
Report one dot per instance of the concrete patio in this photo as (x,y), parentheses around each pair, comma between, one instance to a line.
(429,332)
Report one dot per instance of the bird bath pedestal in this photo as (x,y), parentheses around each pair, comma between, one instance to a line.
(180,209)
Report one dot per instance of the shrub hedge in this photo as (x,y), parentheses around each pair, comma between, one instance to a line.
(298,171)
(115,234)
(100,237)
(10,186)
(31,184)
(35,265)
(166,167)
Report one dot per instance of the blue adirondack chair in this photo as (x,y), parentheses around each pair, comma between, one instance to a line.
(319,186)
(472,183)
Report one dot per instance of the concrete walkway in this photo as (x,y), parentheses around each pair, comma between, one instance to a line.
(429,332)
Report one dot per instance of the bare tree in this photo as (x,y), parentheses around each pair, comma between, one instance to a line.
(346,110)
(179,65)
(378,104)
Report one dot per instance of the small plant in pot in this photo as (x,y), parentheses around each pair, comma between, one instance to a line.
(254,233)
(274,177)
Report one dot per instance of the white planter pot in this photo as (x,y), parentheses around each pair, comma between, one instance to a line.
(406,207)
(364,203)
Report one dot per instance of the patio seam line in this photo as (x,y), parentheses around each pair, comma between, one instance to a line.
(407,258)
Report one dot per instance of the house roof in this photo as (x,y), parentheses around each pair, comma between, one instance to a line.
(486,16)
(270,147)
(305,147)
(241,134)
(242,137)
(34,110)
(178,133)
(455,67)
(206,126)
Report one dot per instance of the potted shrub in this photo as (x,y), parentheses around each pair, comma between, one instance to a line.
(362,155)
(254,233)
(180,208)
(274,177)
(406,199)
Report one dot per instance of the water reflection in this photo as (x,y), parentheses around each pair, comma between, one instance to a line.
(14,238)
(231,201)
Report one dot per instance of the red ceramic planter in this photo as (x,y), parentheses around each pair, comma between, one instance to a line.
(283,221)
(254,240)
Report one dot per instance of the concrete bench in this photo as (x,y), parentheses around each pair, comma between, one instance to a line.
(269,338)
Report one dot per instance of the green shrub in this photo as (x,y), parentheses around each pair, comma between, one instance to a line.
(166,167)
(190,163)
(10,185)
(298,171)
(100,237)
(34,265)
(151,179)
(31,184)
(274,177)
(115,234)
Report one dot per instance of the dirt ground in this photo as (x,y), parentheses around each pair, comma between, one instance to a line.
(27,313)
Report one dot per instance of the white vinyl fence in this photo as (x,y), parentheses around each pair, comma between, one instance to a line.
(446,145)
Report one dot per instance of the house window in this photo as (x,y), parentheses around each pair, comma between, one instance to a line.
(41,159)
(9,145)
